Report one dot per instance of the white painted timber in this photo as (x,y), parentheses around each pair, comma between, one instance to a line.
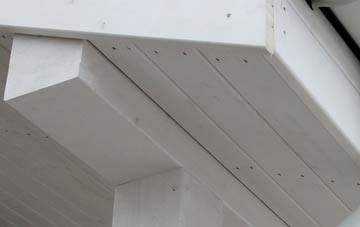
(30,160)
(155,82)
(172,199)
(11,216)
(35,203)
(159,19)
(67,88)
(329,43)
(157,68)
(192,72)
(285,125)
(45,177)
(279,105)
(24,210)
(317,79)
(295,124)
(5,223)
(145,116)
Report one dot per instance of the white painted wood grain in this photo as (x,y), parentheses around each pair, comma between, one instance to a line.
(231,219)
(317,79)
(5,223)
(330,162)
(48,67)
(52,169)
(345,189)
(291,119)
(52,176)
(59,182)
(35,203)
(24,210)
(160,19)
(74,104)
(13,217)
(154,122)
(173,198)
(241,122)
(155,83)
(46,195)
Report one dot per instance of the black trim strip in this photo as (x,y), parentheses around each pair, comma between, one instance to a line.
(340,28)
(309,2)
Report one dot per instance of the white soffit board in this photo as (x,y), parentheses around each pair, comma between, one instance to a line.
(189,115)
(145,117)
(256,118)
(193,86)
(319,79)
(326,79)
(215,100)
(173,198)
(185,20)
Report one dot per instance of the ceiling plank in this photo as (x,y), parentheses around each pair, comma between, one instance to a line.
(13,217)
(145,116)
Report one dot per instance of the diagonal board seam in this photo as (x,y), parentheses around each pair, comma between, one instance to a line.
(227,135)
(269,125)
(275,60)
